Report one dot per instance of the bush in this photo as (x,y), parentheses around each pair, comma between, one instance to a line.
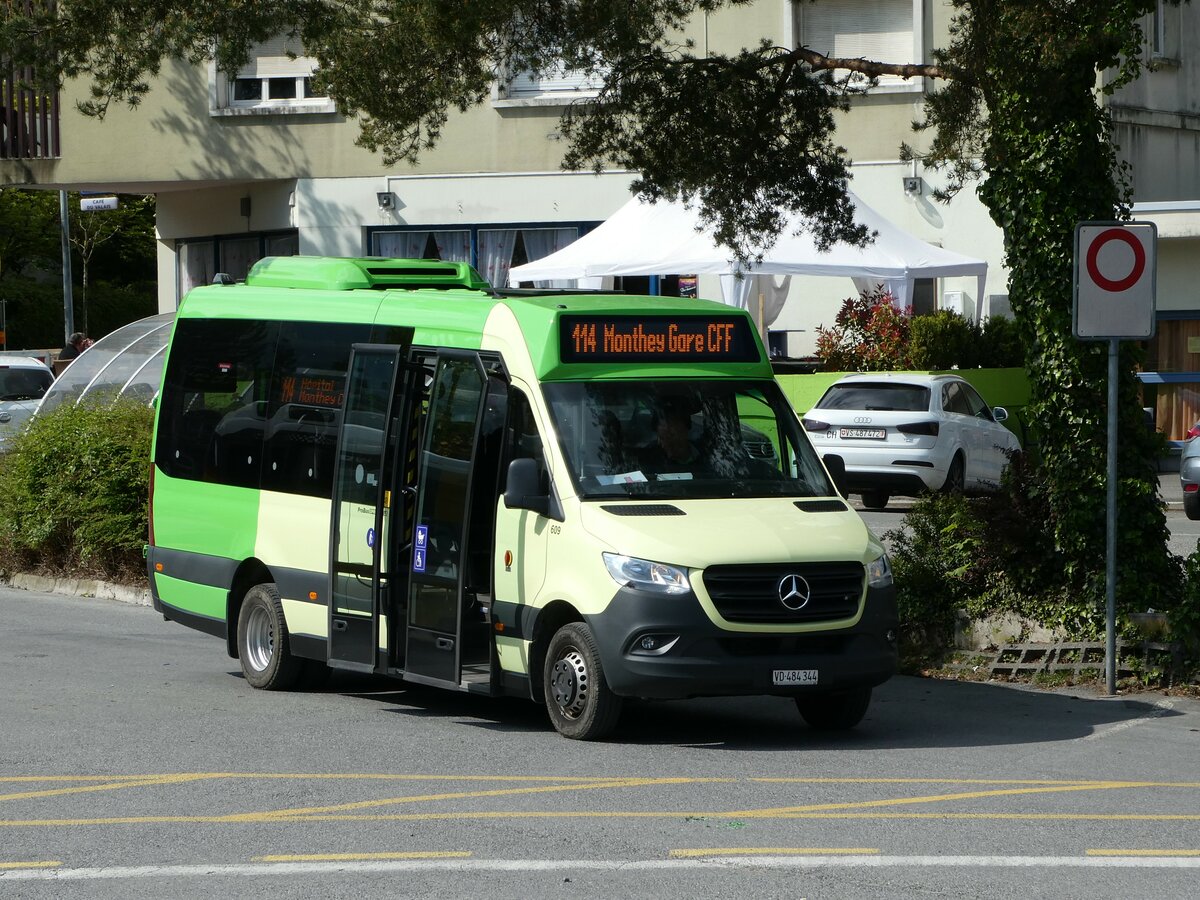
(944,340)
(74,492)
(868,335)
(980,555)
(871,335)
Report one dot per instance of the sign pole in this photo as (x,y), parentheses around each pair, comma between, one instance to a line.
(1110,574)
(1114,287)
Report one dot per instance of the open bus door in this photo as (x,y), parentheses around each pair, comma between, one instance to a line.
(364,555)
(447,632)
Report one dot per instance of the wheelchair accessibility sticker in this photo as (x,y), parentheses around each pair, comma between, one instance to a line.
(420,545)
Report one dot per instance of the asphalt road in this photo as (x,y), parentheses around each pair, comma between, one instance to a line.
(136,762)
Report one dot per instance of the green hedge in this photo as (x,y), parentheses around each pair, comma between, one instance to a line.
(74,492)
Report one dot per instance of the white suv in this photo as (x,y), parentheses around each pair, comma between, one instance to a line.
(23,381)
(907,433)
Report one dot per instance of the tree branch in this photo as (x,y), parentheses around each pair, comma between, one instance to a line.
(871,68)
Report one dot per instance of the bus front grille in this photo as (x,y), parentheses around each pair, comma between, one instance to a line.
(783,593)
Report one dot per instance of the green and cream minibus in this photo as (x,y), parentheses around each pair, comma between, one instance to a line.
(387,466)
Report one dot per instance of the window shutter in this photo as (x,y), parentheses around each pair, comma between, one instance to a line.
(556,81)
(880,30)
(270,59)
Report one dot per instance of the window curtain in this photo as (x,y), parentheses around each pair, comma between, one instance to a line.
(541,242)
(283,245)
(401,244)
(194,264)
(455,246)
(495,254)
(238,255)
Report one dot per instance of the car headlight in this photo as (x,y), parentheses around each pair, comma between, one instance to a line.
(879,572)
(644,575)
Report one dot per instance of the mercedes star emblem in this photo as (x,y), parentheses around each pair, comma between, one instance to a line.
(794,592)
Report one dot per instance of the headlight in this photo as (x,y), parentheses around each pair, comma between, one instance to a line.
(879,572)
(644,575)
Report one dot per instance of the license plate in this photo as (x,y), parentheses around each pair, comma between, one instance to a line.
(874,434)
(794,676)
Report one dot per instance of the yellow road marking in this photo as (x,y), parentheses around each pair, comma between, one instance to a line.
(1025,781)
(42,864)
(941,798)
(145,781)
(474,795)
(345,857)
(1143,853)
(773,851)
(593,814)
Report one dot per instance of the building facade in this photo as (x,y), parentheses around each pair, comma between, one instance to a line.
(252,164)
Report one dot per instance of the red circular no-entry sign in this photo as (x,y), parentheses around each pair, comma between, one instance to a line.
(1136,271)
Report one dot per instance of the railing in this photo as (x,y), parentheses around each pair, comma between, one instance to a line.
(28,117)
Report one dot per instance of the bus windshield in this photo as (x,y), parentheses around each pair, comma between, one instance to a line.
(674,440)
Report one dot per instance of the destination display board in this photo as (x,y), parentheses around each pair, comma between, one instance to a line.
(665,339)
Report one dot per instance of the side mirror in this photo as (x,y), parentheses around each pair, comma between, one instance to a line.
(836,466)
(999,413)
(523,488)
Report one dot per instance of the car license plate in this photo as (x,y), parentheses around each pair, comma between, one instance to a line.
(794,676)
(874,434)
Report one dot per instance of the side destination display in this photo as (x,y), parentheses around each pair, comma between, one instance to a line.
(598,338)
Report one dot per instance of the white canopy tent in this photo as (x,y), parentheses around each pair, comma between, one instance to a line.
(665,238)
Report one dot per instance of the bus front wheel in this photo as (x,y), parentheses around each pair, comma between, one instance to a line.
(838,711)
(263,644)
(579,700)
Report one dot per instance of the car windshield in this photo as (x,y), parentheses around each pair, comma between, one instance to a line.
(23,383)
(672,440)
(876,395)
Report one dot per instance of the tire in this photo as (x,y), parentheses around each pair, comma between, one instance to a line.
(264,646)
(875,499)
(956,478)
(1191,505)
(837,711)
(578,699)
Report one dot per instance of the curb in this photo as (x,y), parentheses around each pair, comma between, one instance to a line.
(82,587)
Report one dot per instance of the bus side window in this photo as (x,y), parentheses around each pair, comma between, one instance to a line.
(486,487)
(522,439)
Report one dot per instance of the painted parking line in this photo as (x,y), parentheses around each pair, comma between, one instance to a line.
(527,866)
(1144,852)
(39,864)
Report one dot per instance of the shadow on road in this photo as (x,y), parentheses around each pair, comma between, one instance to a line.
(905,713)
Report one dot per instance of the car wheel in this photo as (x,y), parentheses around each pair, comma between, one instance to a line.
(875,499)
(264,646)
(579,700)
(1191,505)
(837,711)
(957,476)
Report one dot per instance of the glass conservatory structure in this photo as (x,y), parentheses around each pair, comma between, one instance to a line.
(126,363)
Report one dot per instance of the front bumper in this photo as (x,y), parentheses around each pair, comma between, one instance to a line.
(705,660)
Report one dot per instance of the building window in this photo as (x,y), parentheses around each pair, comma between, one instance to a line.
(881,30)
(1162,32)
(492,249)
(277,79)
(197,261)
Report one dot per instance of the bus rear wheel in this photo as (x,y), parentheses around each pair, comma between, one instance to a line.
(264,648)
(836,711)
(580,703)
